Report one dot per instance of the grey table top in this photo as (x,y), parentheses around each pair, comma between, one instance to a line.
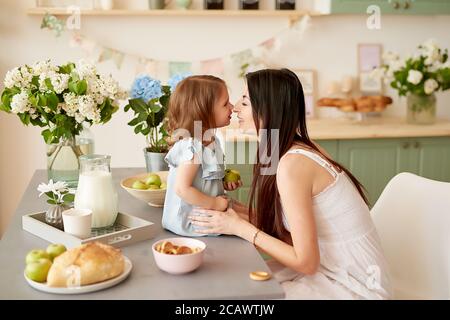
(223,274)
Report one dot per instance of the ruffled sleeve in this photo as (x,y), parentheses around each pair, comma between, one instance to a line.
(182,151)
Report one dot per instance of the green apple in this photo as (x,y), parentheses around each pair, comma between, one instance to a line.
(152,186)
(153,179)
(55,249)
(163,185)
(38,270)
(232,175)
(138,184)
(35,255)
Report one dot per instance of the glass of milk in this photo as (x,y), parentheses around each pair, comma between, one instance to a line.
(96,190)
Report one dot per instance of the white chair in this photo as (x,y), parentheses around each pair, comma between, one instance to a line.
(412,217)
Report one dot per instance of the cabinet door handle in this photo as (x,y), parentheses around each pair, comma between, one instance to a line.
(406,145)
(396,5)
(406,5)
(417,144)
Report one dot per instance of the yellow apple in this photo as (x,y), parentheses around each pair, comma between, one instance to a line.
(35,255)
(55,249)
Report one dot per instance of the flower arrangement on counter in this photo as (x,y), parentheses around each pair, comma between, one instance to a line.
(149,101)
(418,76)
(60,98)
(423,73)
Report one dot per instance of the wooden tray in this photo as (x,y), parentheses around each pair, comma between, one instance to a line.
(126,230)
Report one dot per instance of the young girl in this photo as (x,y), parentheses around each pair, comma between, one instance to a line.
(199,105)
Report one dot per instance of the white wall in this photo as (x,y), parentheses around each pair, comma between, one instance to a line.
(329,47)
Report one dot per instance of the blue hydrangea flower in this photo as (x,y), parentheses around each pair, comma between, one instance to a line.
(146,88)
(176,78)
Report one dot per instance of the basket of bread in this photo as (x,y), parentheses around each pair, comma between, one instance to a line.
(376,103)
(90,267)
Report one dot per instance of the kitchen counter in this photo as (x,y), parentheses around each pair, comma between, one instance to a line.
(329,129)
(224,273)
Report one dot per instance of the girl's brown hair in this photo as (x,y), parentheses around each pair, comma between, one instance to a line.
(193,100)
(278,102)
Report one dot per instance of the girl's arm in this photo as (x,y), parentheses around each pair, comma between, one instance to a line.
(183,188)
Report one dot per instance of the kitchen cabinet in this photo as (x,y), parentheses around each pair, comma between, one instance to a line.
(373,161)
(403,7)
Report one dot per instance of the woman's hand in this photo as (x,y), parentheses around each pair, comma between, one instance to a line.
(211,221)
(231,186)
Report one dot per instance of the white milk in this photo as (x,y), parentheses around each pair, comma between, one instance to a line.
(96,192)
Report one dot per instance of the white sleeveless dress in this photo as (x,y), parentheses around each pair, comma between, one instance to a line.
(352,265)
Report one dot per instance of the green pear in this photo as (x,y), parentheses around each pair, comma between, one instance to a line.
(38,270)
(35,255)
(232,175)
(138,184)
(153,179)
(55,249)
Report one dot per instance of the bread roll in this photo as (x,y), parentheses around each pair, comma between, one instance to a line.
(89,263)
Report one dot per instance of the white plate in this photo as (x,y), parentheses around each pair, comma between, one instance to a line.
(83,289)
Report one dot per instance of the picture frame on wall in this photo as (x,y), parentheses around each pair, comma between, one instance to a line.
(369,58)
(62,4)
(308,80)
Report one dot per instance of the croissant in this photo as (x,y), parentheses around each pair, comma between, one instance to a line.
(87,264)
(361,104)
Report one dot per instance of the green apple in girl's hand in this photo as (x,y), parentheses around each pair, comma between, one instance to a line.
(38,270)
(153,179)
(232,175)
(35,255)
(55,250)
(138,184)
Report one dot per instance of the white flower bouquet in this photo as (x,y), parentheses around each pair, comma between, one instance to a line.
(423,73)
(60,98)
(57,192)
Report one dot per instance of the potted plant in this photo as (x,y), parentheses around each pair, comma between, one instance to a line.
(418,77)
(149,100)
(61,99)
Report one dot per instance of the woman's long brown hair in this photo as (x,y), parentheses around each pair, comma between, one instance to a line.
(278,103)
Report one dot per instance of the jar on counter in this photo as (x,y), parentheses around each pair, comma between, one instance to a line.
(249,4)
(285,4)
(213,4)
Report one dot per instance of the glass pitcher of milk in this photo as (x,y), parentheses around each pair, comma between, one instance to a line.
(96,190)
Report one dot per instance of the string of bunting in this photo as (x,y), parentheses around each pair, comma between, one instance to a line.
(241,62)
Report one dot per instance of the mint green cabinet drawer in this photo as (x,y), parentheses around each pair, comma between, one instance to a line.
(403,7)
(374,161)
(433,157)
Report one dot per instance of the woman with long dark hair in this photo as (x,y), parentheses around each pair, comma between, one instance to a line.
(310,215)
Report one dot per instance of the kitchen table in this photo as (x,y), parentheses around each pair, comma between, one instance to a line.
(224,273)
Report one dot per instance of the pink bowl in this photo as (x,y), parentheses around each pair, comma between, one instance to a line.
(180,263)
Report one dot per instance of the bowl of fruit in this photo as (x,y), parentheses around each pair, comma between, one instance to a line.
(148,187)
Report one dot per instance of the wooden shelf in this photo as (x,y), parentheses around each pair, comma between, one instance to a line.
(292,14)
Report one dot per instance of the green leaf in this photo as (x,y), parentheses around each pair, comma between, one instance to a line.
(81,87)
(48,136)
(48,83)
(68,197)
(127,107)
(50,201)
(52,100)
(138,105)
(25,118)
(42,100)
(134,122)
(146,131)
(138,128)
